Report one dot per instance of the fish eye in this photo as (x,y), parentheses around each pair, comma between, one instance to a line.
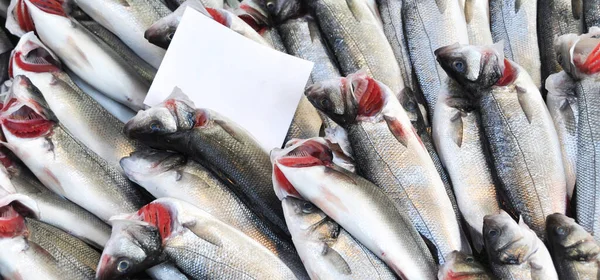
(493,233)
(155,126)
(324,102)
(459,66)
(170,36)
(307,207)
(270,6)
(469,259)
(559,58)
(411,105)
(123,265)
(561,230)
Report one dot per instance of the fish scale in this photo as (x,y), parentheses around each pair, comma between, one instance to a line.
(591,9)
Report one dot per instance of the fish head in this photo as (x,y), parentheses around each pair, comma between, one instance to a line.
(304,153)
(12,224)
(144,165)
(570,239)
(307,221)
(473,67)
(133,247)
(269,12)
(32,56)
(333,98)
(562,46)
(507,241)
(459,265)
(24,112)
(162,31)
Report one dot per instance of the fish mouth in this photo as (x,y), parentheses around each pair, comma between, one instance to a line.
(26,123)
(256,14)
(148,162)
(32,56)
(306,154)
(11,222)
(104,271)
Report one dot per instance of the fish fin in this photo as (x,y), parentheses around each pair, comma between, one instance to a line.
(525,105)
(397,130)
(197,5)
(442,5)
(456,124)
(178,94)
(335,260)
(469,10)
(522,222)
(123,3)
(577,9)
(229,129)
(205,233)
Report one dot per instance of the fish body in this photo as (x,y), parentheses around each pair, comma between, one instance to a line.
(514,250)
(463,266)
(129,19)
(562,105)
(327,250)
(477,16)
(591,14)
(430,24)
(305,169)
(388,152)
(83,53)
(574,250)
(459,138)
(514,22)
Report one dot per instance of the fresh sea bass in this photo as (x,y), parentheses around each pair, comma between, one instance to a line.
(200,245)
(591,10)
(430,24)
(390,154)
(166,174)
(562,105)
(574,250)
(60,162)
(523,142)
(464,267)
(81,115)
(129,19)
(514,250)
(459,139)
(556,18)
(327,250)
(514,22)
(218,144)
(53,209)
(306,170)
(477,15)
(83,53)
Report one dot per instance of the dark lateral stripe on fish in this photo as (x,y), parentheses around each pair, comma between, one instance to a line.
(159,216)
(54,7)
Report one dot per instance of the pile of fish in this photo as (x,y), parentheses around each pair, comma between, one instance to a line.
(437,139)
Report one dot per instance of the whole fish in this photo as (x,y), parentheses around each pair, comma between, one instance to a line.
(53,209)
(523,142)
(357,40)
(591,10)
(428,25)
(514,22)
(477,15)
(306,170)
(82,52)
(166,174)
(129,19)
(59,161)
(327,250)
(390,154)
(574,250)
(459,138)
(218,144)
(200,245)
(81,115)
(562,105)
(514,250)
(463,266)
(555,18)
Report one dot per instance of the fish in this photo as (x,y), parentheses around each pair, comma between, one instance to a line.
(574,250)
(463,266)
(357,40)
(477,15)
(562,105)
(199,244)
(327,250)
(167,174)
(305,170)
(81,115)
(459,138)
(514,250)
(273,12)
(79,50)
(389,153)
(215,142)
(6,47)
(522,140)
(128,20)
(60,162)
(428,25)
(591,13)
(555,18)
(514,22)
(52,209)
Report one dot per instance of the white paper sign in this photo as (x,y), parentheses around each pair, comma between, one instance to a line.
(255,86)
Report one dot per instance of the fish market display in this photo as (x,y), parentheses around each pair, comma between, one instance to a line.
(390,154)
(462,266)
(523,142)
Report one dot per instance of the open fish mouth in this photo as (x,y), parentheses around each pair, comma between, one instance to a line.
(306,154)
(26,123)
(11,223)
(32,56)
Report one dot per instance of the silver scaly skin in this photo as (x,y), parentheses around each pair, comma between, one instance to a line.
(514,22)
(591,9)
(477,15)
(518,129)
(562,105)
(166,174)
(389,153)
(514,250)
(62,163)
(327,250)
(574,251)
